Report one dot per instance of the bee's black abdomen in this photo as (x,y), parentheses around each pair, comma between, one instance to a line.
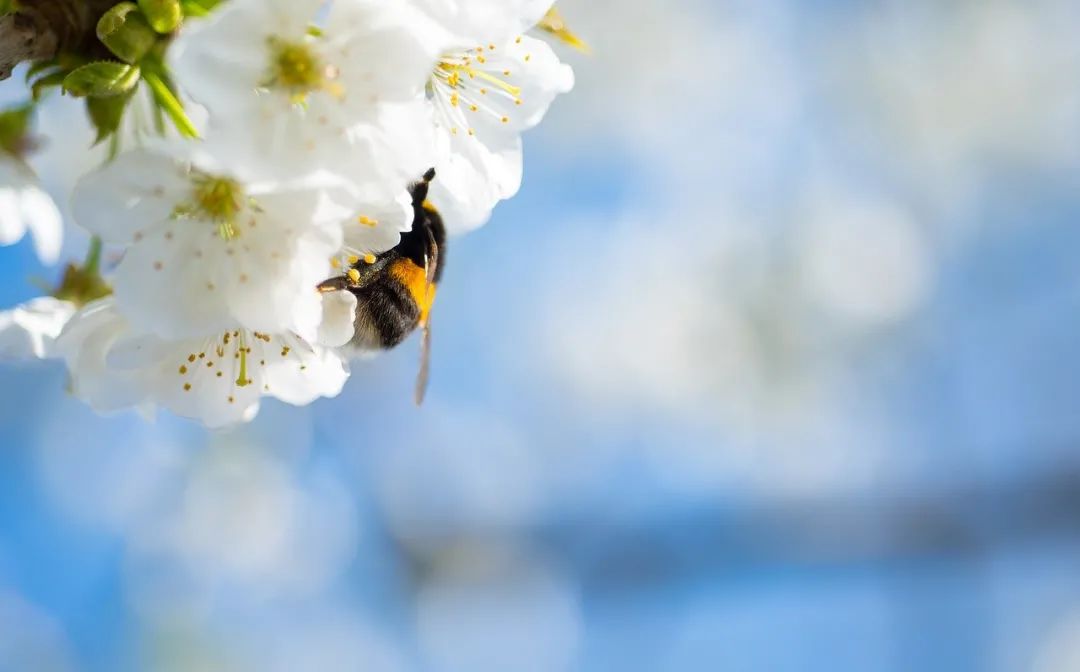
(387,314)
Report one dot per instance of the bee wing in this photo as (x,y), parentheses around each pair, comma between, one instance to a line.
(431,261)
(425,364)
(431,264)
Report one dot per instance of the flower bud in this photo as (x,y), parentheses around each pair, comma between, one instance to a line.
(163,15)
(124,30)
(101,79)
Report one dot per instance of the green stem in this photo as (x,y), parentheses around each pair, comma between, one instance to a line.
(168,102)
(93,257)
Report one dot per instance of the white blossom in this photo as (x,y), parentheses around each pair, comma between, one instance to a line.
(25,206)
(205,252)
(490,84)
(288,100)
(311,120)
(29,330)
(218,379)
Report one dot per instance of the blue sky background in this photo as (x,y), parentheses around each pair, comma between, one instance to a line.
(771,365)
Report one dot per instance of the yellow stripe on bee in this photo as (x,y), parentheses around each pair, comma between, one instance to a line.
(415,280)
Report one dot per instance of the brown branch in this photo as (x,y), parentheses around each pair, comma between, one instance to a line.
(23,37)
(42,28)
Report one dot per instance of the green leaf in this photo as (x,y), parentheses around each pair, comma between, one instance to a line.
(164,15)
(38,88)
(107,113)
(125,31)
(37,67)
(101,79)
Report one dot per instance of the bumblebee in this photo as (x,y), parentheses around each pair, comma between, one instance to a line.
(395,290)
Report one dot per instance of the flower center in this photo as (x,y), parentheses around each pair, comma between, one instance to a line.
(297,69)
(217,199)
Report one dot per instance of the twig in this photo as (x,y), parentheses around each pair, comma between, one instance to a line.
(39,29)
(22,38)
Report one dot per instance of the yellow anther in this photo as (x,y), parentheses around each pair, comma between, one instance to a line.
(354,275)
(369,258)
(353,260)
(364,220)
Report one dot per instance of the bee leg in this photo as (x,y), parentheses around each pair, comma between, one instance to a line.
(337,284)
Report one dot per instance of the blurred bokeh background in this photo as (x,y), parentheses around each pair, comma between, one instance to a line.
(772,365)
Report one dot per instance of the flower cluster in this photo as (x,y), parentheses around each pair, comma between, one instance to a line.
(318,115)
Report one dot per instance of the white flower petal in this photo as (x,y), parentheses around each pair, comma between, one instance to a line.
(305,375)
(24,205)
(117,200)
(472,181)
(485,20)
(85,344)
(46,225)
(377,227)
(29,331)
(339,315)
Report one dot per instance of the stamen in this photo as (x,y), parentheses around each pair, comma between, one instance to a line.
(449,72)
(217,199)
(296,68)
(242,380)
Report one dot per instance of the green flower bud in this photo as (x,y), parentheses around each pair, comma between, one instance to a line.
(198,7)
(124,30)
(101,79)
(164,15)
